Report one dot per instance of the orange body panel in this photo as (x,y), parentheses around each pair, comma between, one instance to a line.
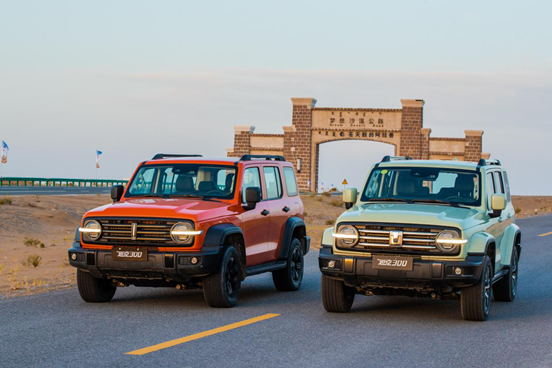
(262,234)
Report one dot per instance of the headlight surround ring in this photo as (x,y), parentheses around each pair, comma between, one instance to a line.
(186,227)
(91,231)
(347,236)
(448,241)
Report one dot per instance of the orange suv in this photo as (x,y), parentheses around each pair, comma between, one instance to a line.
(189,222)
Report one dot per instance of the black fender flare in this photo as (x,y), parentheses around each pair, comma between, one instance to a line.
(217,234)
(291,224)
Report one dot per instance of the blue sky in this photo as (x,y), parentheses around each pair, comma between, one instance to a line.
(133,78)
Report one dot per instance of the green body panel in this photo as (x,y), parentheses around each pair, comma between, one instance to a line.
(475,223)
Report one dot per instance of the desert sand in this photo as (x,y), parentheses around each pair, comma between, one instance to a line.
(40,229)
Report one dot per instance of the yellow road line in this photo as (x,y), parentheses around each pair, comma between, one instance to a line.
(201,335)
(546,234)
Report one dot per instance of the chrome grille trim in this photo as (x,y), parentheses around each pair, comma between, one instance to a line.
(122,231)
(417,239)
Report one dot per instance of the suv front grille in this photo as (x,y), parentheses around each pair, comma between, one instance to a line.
(136,232)
(415,239)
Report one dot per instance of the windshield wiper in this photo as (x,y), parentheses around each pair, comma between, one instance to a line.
(390,200)
(196,196)
(453,204)
(152,195)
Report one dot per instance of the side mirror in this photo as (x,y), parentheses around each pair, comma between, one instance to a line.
(252,197)
(498,204)
(349,197)
(117,192)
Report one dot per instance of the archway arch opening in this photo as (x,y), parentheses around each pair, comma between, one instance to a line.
(350,160)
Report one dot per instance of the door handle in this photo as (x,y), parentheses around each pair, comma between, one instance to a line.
(286,209)
(265,213)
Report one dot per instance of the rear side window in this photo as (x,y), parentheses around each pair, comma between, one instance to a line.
(272,181)
(251,178)
(291,184)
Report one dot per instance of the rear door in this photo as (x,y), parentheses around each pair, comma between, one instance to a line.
(255,225)
(278,207)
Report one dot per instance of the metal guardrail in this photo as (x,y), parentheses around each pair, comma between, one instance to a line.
(58,182)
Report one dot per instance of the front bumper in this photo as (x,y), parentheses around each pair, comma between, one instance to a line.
(166,266)
(425,274)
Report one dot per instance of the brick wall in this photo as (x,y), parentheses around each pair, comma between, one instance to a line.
(242,141)
(411,126)
(474,139)
(298,140)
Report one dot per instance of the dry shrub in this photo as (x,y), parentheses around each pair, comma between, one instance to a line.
(33,242)
(6,200)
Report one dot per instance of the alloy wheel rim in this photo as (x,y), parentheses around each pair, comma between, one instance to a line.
(231,279)
(487,291)
(296,266)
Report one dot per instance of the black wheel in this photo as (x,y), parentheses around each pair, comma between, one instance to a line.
(221,288)
(505,290)
(476,300)
(93,290)
(290,278)
(336,296)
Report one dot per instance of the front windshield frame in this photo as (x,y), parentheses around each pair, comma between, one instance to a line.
(192,194)
(376,170)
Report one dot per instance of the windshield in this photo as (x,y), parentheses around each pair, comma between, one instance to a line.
(423,184)
(183,180)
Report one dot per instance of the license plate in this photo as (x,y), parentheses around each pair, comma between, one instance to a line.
(129,254)
(392,263)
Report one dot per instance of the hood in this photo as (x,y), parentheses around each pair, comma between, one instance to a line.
(420,214)
(190,208)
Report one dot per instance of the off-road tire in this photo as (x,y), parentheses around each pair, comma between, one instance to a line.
(290,278)
(505,290)
(476,300)
(94,290)
(222,287)
(336,296)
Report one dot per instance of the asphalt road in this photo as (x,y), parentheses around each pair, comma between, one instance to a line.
(19,191)
(57,329)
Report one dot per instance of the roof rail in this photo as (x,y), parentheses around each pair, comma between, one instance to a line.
(164,155)
(395,158)
(266,157)
(484,162)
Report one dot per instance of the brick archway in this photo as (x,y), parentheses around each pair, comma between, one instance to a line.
(312,126)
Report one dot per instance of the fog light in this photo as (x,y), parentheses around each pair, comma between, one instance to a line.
(457,270)
(74,256)
(331,264)
(193,260)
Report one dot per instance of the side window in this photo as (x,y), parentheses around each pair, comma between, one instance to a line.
(272,181)
(251,178)
(499,187)
(507,186)
(490,189)
(291,184)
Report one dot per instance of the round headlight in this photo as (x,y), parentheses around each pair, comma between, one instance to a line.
(181,232)
(92,230)
(347,236)
(449,240)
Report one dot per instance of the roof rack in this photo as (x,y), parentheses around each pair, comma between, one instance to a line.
(266,157)
(164,155)
(484,162)
(395,158)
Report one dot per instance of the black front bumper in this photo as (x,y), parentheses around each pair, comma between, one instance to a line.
(163,266)
(425,274)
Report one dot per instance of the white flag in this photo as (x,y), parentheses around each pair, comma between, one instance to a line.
(5,150)
(98,153)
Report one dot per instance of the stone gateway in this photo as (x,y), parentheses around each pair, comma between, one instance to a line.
(312,126)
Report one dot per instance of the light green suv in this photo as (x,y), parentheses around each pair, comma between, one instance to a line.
(439,229)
